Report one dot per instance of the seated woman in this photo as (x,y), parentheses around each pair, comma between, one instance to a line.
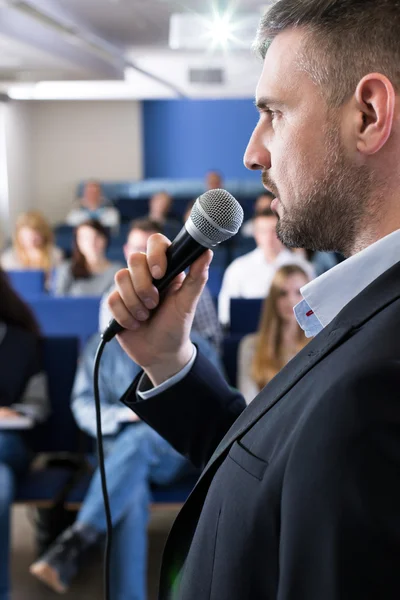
(279,337)
(33,245)
(89,272)
(23,403)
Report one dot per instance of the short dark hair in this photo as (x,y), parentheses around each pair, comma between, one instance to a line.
(145,224)
(345,40)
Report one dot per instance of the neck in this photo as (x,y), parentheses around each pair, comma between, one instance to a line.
(97,263)
(381,217)
(270,254)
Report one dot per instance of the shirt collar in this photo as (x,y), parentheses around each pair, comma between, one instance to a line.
(325,296)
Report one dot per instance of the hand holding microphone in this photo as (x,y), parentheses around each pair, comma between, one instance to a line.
(161,344)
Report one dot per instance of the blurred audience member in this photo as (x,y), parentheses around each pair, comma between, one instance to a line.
(250,275)
(93,205)
(33,245)
(279,337)
(214,180)
(263,202)
(23,403)
(136,457)
(88,272)
(205,321)
(160,208)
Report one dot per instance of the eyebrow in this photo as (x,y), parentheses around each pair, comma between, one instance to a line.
(265,102)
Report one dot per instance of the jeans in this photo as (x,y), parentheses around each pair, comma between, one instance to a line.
(14,460)
(138,456)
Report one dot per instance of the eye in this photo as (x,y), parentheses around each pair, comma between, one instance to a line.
(270,114)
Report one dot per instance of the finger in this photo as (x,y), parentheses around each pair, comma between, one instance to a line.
(175,284)
(142,281)
(120,313)
(129,297)
(157,246)
(195,281)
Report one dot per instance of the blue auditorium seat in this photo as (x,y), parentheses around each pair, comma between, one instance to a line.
(27,283)
(245,315)
(241,245)
(214,282)
(63,237)
(67,315)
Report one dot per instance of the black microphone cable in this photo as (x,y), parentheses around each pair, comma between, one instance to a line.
(100,455)
(216,216)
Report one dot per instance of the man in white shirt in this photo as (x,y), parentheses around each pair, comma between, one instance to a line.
(93,206)
(250,275)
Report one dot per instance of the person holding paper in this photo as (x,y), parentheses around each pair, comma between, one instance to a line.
(23,403)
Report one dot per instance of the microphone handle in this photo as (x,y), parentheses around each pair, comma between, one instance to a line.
(183,251)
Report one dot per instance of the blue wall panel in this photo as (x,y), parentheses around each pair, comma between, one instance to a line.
(186,138)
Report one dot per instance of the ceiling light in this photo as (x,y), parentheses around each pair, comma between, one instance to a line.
(221,30)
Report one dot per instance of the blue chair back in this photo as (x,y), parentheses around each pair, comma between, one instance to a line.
(214,282)
(67,316)
(27,283)
(60,432)
(245,315)
(63,236)
(242,246)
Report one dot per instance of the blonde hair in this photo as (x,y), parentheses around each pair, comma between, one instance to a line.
(36,221)
(268,358)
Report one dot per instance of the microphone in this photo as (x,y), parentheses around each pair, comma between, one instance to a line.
(216,216)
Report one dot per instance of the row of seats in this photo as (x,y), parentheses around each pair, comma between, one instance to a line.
(131,197)
(41,486)
(223,255)
(79,316)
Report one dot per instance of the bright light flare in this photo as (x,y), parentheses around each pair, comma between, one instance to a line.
(220,30)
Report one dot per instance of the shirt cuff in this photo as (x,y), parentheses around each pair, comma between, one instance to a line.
(144,381)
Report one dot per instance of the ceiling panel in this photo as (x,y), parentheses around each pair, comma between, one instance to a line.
(144,22)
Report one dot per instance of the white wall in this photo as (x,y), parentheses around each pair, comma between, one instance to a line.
(19,158)
(78,140)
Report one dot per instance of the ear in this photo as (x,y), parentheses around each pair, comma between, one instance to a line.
(375,97)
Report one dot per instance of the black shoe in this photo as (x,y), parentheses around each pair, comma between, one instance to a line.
(57,567)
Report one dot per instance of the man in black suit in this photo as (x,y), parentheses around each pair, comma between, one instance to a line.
(300,494)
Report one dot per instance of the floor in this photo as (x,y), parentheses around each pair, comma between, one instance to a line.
(88,583)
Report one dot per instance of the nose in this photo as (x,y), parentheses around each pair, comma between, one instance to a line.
(257,157)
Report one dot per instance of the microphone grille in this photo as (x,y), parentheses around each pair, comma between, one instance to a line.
(217,216)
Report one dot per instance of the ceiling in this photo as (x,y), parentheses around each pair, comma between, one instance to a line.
(145,22)
(120,44)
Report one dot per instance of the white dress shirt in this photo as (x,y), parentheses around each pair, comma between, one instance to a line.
(325,297)
(250,276)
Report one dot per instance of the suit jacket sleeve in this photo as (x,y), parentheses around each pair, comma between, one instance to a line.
(193,415)
(340,537)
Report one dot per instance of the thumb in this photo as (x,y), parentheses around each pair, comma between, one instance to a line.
(194,282)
